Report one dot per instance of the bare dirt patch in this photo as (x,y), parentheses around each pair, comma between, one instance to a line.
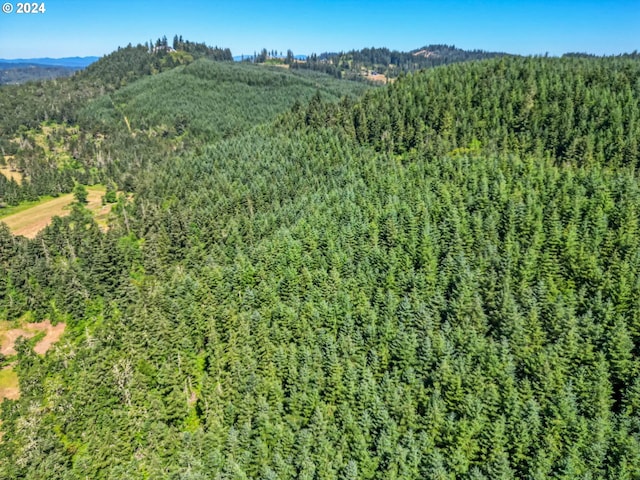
(54,332)
(425,53)
(379,78)
(30,221)
(52,335)
(9,340)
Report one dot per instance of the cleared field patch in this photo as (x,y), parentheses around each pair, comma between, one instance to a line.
(9,340)
(9,382)
(8,336)
(54,332)
(54,140)
(11,174)
(378,77)
(30,221)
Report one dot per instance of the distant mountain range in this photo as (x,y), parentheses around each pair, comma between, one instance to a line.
(69,62)
(21,70)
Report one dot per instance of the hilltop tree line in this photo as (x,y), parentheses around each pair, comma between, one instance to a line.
(438,279)
(391,63)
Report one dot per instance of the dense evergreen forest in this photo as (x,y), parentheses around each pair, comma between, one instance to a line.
(572,109)
(434,279)
(116,117)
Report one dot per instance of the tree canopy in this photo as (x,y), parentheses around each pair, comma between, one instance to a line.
(435,279)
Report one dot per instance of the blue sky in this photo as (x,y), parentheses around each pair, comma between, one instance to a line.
(81,28)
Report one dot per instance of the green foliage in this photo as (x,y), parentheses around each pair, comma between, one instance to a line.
(359,64)
(578,110)
(120,133)
(196,99)
(110,195)
(379,288)
(80,193)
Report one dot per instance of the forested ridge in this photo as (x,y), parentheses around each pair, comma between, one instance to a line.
(358,64)
(438,279)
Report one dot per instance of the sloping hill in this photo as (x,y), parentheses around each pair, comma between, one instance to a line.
(572,109)
(420,283)
(123,117)
(212,99)
(13,74)
(18,71)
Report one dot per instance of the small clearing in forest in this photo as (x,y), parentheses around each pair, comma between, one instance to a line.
(9,387)
(378,77)
(30,221)
(8,337)
(9,384)
(11,174)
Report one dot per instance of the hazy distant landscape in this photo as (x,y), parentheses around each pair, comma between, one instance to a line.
(359,264)
(18,71)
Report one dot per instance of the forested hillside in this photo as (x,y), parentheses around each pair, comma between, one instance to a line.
(62,99)
(438,279)
(210,100)
(113,126)
(579,110)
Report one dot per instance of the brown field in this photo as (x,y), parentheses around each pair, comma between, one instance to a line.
(54,332)
(8,172)
(30,221)
(8,336)
(379,78)
(9,387)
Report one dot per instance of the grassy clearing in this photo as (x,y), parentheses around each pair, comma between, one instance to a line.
(52,138)
(29,218)
(9,386)
(13,209)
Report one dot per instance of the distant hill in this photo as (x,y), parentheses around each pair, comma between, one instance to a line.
(240,58)
(133,93)
(21,70)
(451,53)
(384,64)
(109,73)
(72,62)
(13,74)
